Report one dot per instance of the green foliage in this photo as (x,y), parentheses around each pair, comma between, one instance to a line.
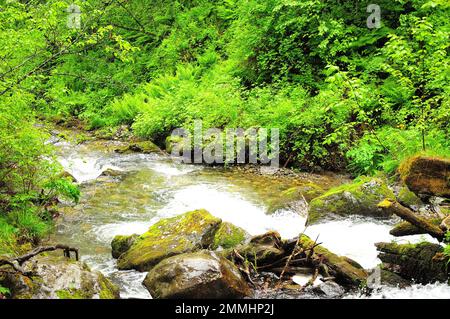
(385,149)
(7,237)
(4,291)
(31,227)
(343,96)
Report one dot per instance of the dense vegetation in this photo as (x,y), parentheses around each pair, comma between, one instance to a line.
(343,96)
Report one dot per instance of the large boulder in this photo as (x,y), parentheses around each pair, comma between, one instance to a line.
(358,198)
(169,237)
(229,236)
(199,275)
(423,262)
(427,176)
(59,278)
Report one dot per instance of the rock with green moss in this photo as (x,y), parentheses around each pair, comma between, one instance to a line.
(423,262)
(174,143)
(261,249)
(168,237)
(346,271)
(405,228)
(391,279)
(59,278)
(145,147)
(229,236)
(359,198)
(427,176)
(199,275)
(408,198)
(121,244)
(295,198)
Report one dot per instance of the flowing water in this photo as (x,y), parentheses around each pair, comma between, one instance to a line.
(151,187)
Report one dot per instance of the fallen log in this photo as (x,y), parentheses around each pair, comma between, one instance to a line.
(405,213)
(16,263)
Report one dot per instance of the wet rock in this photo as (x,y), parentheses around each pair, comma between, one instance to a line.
(329,289)
(145,147)
(229,236)
(427,176)
(59,278)
(262,249)
(408,198)
(174,143)
(358,198)
(111,173)
(199,275)
(121,244)
(423,262)
(296,198)
(346,271)
(168,237)
(405,228)
(389,278)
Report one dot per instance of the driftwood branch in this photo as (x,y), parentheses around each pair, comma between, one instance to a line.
(16,263)
(291,255)
(408,215)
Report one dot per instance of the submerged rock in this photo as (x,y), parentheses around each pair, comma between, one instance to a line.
(199,275)
(229,236)
(427,176)
(358,198)
(59,278)
(121,244)
(112,173)
(168,237)
(423,262)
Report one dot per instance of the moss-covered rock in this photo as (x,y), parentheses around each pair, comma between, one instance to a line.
(199,275)
(174,143)
(405,228)
(423,262)
(408,198)
(60,278)
(261,249)
(428,176)
(168,237)
(145,147)
(121,244)
(295,198)
(229,236)
(358,198)
(389,278)
(347,271)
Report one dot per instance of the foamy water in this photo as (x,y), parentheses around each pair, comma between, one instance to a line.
(354,237)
